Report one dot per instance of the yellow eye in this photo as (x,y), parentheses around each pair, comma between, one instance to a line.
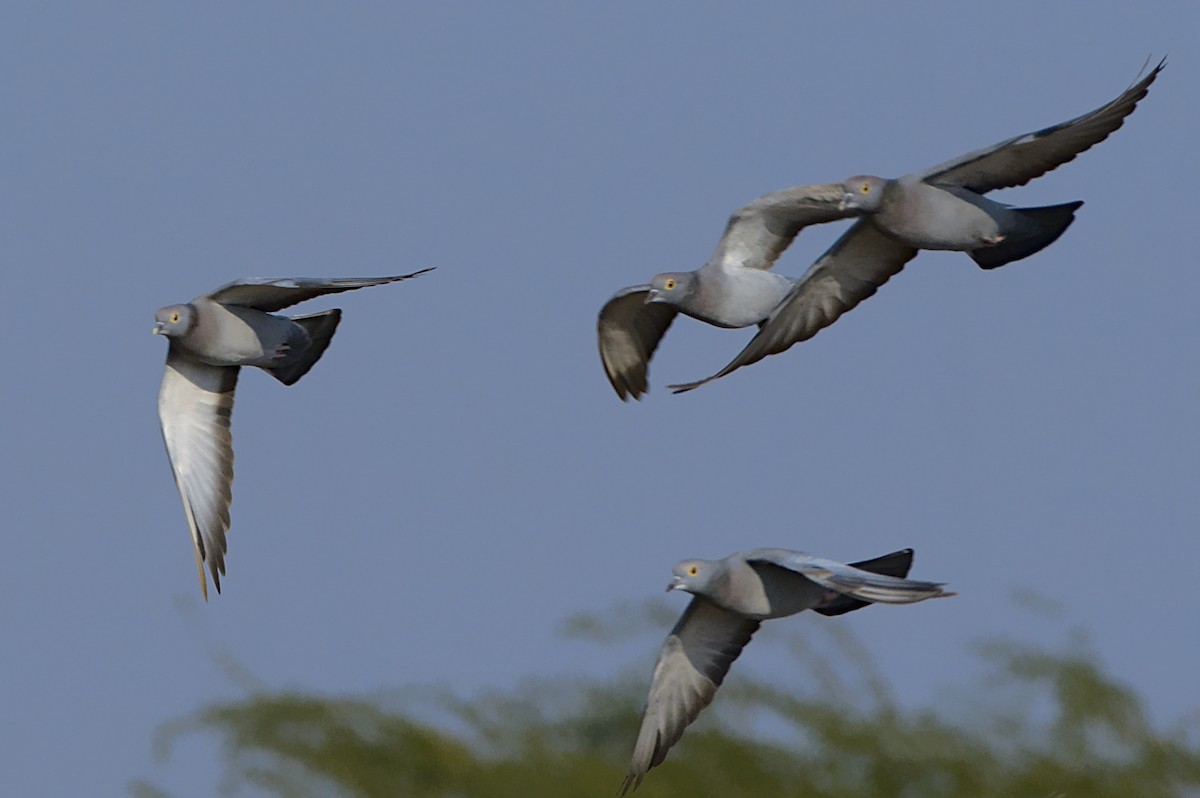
(174,318)
(693,571)
(866,188)
(668,284)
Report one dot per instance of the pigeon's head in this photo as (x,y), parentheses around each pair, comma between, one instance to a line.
(173,320)
(671,288)
(862,193)
(692,575)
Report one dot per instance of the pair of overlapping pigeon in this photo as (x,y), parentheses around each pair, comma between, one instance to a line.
(943,207)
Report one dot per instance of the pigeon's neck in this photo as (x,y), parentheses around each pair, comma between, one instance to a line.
(892,196)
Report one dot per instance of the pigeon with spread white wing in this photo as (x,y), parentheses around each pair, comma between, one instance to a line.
(211,338)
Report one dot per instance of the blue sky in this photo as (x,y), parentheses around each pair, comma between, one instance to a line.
(456,477)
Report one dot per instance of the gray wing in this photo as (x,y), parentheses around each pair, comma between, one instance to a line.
(628,332)
(757,234)
(1018,160)
(194,407)
(692,665)
(847,580)
(850,271)
(270,294)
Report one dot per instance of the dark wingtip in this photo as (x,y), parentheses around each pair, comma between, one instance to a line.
(217,567)
(627,389)
(688,386)
(625,392)
(725,372)
(1157,68)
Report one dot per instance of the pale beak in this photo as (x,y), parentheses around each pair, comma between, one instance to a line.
(675,584)
(653,295)
(847,201)
(158,328)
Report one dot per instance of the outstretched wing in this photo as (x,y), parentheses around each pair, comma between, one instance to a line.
(692,665)
(1018,160)
(195,402)
(758,233)
(850,271)
(628,332)
(270,294)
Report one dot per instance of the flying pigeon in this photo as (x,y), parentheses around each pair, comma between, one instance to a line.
(731,597)
(211,338)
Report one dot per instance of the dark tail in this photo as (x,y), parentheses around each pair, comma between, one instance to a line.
(320,328)
(895,564)
(1037,229)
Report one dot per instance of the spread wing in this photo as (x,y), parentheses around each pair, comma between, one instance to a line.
(850,271)
(1018,160)
(270,294)
(692,665)
(629,331)
(846,580)
(194,407)
(758,233)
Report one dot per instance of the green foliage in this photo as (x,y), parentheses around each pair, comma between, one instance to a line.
(1064,729)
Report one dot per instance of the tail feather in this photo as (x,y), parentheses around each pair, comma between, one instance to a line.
(1037,229)
(320,328)
(895,564)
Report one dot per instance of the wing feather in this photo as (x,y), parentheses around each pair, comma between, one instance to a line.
(1016,161)
(758,233)
(628,332)
(270,294)
(195,403)
(694,660)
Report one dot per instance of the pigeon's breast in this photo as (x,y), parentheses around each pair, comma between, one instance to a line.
(738,297)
